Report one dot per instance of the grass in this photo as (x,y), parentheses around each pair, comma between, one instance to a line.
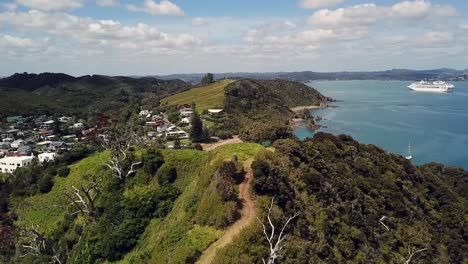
(48,211)
(206,97)
(176,238)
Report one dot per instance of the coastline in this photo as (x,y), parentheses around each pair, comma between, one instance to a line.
(308,107)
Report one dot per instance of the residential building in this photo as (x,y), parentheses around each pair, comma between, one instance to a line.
(10,164)
(215,112)
(64,119)
(17,143)
(78,125)
(186,112)
(45,157)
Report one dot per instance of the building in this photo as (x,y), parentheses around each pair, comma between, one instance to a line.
(17,143)
(10,164)
(215,112)
(64,119)
(45,157)
(185,120)
(78,125)
(186,112)
(14,119)
(178,134)
(24,150)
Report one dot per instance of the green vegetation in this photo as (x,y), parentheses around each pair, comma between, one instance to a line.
(46,93)
(205,97)
(342,189)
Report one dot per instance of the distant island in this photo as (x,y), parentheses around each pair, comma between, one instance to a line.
(445,74)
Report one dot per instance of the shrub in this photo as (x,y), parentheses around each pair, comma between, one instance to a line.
(63,171)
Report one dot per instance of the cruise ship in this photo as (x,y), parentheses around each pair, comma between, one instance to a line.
(435,86)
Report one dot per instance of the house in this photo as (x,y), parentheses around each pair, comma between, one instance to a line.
(185,120)
(48,124)
(156,117)
(154,134)
(69,138)
(178,134)
(17,143)
(186,112)
(64,119)
(5,145)
(161,128)
(24,150)
(45,157)
(145,113)
(14,119)
(215,112)
(8,139)
(10,164)
(78,125)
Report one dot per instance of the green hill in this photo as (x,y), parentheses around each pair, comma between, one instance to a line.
(205,97)
(196,218)
(59,93)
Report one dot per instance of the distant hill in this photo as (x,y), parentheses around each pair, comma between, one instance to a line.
(306,76)
(56,92)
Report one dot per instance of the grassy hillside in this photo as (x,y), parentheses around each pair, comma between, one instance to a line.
(195,220)
(179,237)
(49,210)
(205,97)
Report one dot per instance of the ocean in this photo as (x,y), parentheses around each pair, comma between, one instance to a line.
(389,115)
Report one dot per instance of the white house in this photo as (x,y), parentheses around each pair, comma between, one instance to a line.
(186,113)
(64,119)
(215,112)
(178,134)
(46,157)
(185,120)
(145,113)
(78,125)
(10,164)
(17,143)
(162,128)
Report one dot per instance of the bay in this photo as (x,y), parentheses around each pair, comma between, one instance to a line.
(389,115)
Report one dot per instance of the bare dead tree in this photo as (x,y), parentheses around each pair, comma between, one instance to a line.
(84,198)
(413,251)
(36,243)
(382,223)
(275,241)
(119,147)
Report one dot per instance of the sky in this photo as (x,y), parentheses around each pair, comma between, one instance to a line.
(156,37)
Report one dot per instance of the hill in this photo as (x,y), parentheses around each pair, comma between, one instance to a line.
(259,110)
(205,97)
(307,76)
(54,92)
(357,204)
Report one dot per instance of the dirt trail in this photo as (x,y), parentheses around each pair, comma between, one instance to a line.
(233,140)
(247,217)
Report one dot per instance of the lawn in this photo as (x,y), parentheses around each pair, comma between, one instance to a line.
(206,97)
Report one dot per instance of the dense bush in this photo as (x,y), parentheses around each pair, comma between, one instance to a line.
(63,171)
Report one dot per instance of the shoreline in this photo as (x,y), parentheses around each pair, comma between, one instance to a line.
(308,107)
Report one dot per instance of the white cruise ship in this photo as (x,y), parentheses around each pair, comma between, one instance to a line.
(436,86)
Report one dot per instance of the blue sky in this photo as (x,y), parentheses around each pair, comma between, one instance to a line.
(141,37)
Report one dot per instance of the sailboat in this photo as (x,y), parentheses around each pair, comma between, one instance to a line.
(409,157)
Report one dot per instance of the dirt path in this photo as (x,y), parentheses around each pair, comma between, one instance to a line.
(247,217)
(210,147)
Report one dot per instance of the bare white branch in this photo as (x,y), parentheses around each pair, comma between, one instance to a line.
(413,251)
(382,223)
(275,246)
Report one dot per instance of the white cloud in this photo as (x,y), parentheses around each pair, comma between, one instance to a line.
(16,42)
(165,7)
(421,8)
(107,3)
(464,26)
(94,32)
(199,21)
(318,3)
(51,5)
(365,15)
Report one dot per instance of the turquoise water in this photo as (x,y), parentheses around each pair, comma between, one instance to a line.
(387,114)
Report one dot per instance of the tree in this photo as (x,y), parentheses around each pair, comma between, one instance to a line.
(207,79)
(275,241)
(121,163)
(196,134)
